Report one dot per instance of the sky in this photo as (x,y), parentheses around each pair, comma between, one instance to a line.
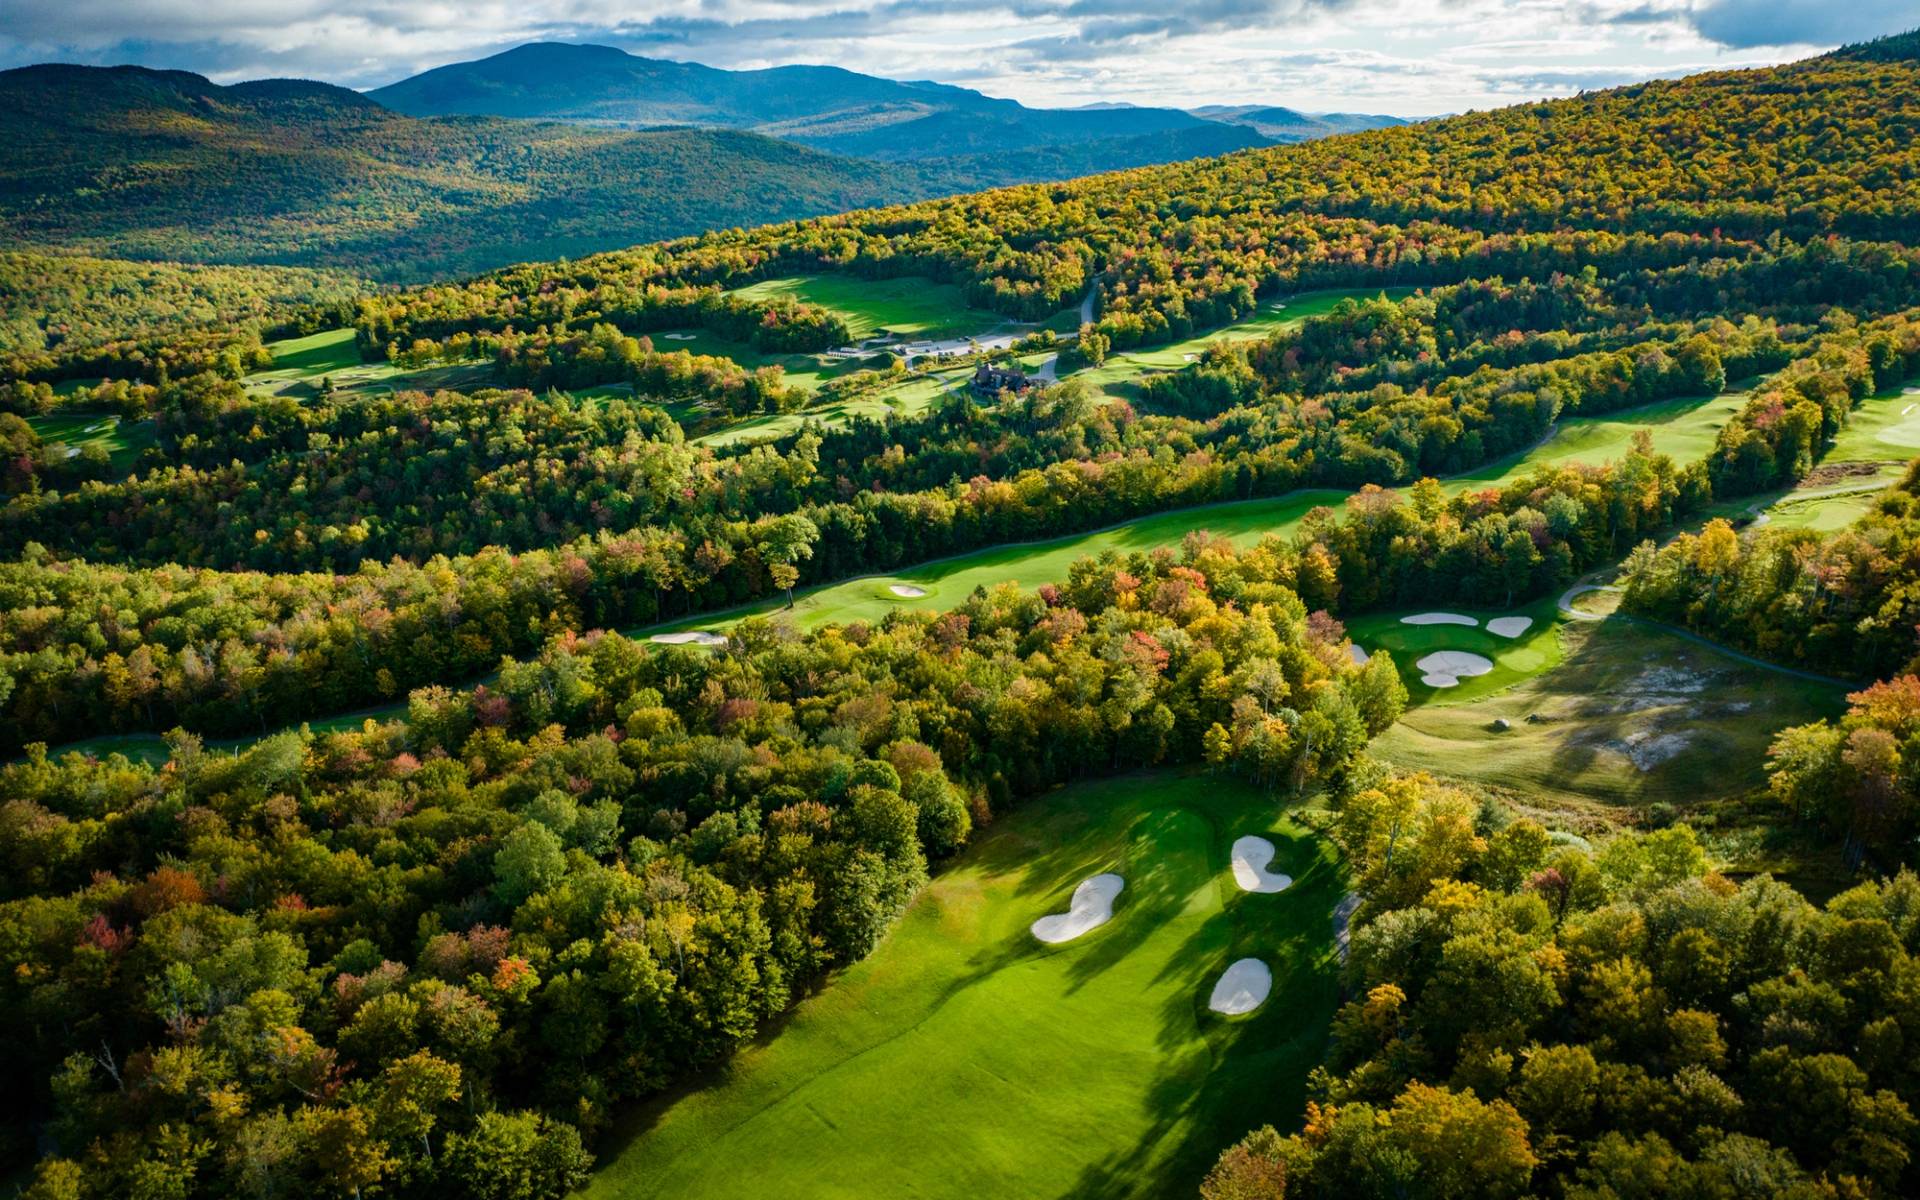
(1407,57)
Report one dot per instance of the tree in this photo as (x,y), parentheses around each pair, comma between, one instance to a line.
(517,1156)
(785,541)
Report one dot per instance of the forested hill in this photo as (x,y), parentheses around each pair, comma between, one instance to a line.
(828,108)
(1816,148)
(164,164)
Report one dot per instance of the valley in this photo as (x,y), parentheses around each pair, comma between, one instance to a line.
(586,624)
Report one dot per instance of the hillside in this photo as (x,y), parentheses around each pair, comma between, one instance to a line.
(827,108)
(1287,125)
(148,164)
(1400,681)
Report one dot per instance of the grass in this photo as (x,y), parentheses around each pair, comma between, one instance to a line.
(948,582)
(1514,659)
(909,397)
(1881,437)
(963,1053)
(1628,716)
(1884,428)
(910,306)
(1124,369)
(123,440)
(1683,429)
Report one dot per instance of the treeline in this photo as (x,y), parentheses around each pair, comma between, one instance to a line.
(1532,1018)
(429,955)
(87,647)
(1845,603)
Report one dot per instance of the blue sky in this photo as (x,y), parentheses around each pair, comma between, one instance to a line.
(1413,57)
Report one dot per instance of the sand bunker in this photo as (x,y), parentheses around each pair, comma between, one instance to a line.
(1360,657)
(1443,668)
(680,337)
(1509,627)
(906,589)
(1438,618)
(690,638)
(1243,987)
(1090,908)
(1250,858)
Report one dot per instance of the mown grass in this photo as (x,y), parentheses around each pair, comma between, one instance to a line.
(123,440)
(947,583)
(1683,429)
(1537,649)
(1698,722)
(964,1054)
(1127,368)
(910,306)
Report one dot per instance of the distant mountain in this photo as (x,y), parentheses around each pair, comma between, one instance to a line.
(1290,125)
(824,107)
(138,163)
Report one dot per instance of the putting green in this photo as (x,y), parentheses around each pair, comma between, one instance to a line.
(963,1054)
(1514,659)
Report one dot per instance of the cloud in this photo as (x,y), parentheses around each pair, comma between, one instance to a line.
(1413,57)
(1744,24)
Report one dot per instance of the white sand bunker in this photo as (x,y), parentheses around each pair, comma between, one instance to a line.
(1509,627)
(1443,668)
(694,637)
(1251,855)
(679,337)
(1090,908)
(906,589)
(1437,618)
(1243,987)
(1360,657)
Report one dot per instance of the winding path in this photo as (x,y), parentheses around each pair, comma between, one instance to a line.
(1565,604)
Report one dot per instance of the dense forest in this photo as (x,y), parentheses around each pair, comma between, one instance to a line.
(134,163)
(436,954)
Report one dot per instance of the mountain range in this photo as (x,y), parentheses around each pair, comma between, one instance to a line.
(830,108)
(545,151)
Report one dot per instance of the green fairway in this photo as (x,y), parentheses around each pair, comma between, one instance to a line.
(1683,429)
(964,1054)
(1625,715)
(122,440)
(1274,315)
(1882,428)
(328,350)
(1534,650)
(948,582)
(908,397)
(910,306)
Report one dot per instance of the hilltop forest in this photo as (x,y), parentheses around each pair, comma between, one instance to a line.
(446,863)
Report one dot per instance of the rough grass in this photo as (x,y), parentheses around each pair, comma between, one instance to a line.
(963,1054)
(910,306)
(1629,716)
